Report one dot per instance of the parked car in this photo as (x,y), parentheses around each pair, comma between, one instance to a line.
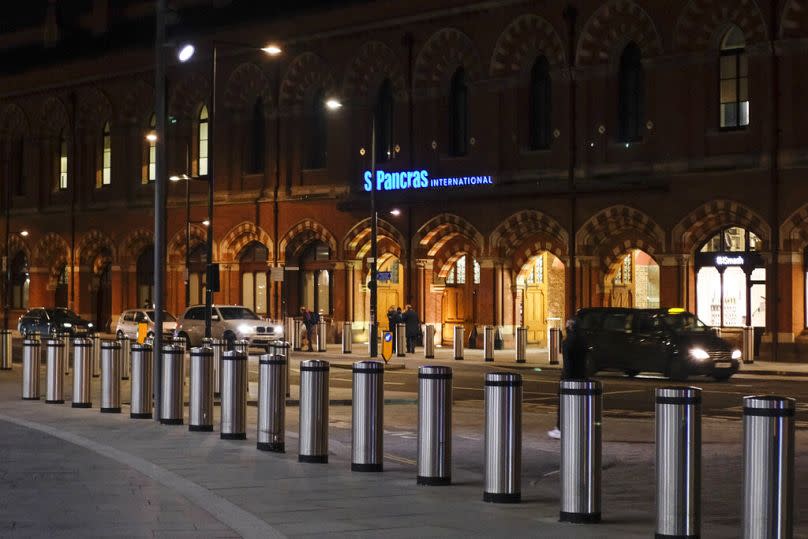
(228,322)
(673,342)
(129,321)
(42,321)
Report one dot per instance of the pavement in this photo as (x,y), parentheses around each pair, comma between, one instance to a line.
(76,472)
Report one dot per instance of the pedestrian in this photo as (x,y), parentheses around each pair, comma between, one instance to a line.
(310,320)
(412,326)
(392,320)
(574,367)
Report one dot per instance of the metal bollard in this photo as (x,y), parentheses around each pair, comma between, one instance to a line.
(217,345)
(126,357)
(347,337)
(173,376)
(768,462)
(553,345)
(283,348)
(141,402)
(5,349)
(82,373)
(748,344)
(110,377)
(520,344)
(289,328)
(65,337)
(434,425)
(30,369)
(234,396)
(200,406)
(503,438)
(272,402)
(55,389)
(429,342)
(370,332)
(581,405)
(179,342)
(367,427)
(322,335)
(488,343)
(313,421)
(457,345)
(296,341)
(242,346)
(678,462)
(96,355)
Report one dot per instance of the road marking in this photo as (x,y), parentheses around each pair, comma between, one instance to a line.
(402,460)
(625,391)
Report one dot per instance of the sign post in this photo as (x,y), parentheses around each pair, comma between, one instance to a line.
(387,345)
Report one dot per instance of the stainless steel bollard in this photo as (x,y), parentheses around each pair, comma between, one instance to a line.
(748,344)
(141,385)
(217,345)
(173,377)
(434,425)
(234,396)
(200,405)
(126,357)
(96,355)
(503,438)
(768,462)
(55,390)
(488,343)
(581,406)
(553,345)
(520,344)
(457,344)
(378,336)
(180,342)
(30,369)
(82,373)
(347,338)
(678,462)
(429,342)
(322,335)
(242,346)
(272,402)
(5,349)
(296,340)
(313,421)
(284,349)
(110,377)
(401,339)
(289,329)
(65,337)
(367,427)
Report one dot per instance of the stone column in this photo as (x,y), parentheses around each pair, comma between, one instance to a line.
(486,307)
(671,293)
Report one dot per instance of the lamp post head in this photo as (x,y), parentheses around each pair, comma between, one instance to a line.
(206,222)
(177,178)
(395,212)
(151,137)
(333,104)
(24,233)
(186,52)
(272,49)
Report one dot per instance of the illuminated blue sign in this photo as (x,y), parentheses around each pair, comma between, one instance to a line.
(419,179)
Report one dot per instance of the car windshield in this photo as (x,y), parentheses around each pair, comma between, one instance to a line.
(167,316)
(238,313)
(684,322)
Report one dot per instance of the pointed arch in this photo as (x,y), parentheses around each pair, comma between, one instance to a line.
(246,84)
(53,117)
(303,233)
(138,103)
(703,222)
(442,54)
(614,230)
(374,62)
(451,251)
(239,237)
(444,224)
(701,22)
(93,244)
(611,27)
(50,248)
(94,109)
(13,121)
(306,72)
(357,240)
(526,233)
(16,244)
(527,37)
(188,95)
(133,244)
(176,245)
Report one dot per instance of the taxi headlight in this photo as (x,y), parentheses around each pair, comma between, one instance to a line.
(67,324)
(736,354)
(244,329)
(278,329)
(699,354)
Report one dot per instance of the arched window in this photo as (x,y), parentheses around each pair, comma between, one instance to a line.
(19,281)
(458,274)
(202,131)
(316,134)
(150,170)
(734,76)
(105,165)
(256,146)
(316,278)
(458,115)
(254,267)
(632,94)
(62,160)
(384,123)
(540,105)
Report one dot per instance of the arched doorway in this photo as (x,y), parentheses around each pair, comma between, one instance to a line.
(62,288)
(390,287)
(540,295)
(253,264)
(731,279)
(459,302)
(316,276)
(20,281)
(145,277)
(633,281)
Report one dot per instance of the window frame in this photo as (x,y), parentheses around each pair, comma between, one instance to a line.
(63,163)
(738,53)
(202,142)
(540,106)
(630,105)
(459,114)
(104,178)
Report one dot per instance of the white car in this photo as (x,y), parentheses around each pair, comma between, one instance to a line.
(228,322)
(129,320)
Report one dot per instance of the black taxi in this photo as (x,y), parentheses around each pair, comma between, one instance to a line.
(673,342)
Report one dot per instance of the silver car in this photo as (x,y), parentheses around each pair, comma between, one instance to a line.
(227,322)
(129,320)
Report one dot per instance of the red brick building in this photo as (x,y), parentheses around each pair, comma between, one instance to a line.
(642,153)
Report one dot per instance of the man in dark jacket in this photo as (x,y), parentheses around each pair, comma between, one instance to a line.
(413,325)
(573,350)
(310,320)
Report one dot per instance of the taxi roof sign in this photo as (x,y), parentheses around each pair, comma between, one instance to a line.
(676,310)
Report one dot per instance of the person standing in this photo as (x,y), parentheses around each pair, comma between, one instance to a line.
(310,323)
(573,351)
(392,320)
(412,326)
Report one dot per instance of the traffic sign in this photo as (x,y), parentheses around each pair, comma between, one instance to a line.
(383,276)
(387,345)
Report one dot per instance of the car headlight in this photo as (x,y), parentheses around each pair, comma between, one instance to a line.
(67,325)
(699,354)
(278,329)
(89,324)
(736,354)
(245,329)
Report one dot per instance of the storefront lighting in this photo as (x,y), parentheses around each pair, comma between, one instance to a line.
(181,177)
(186,53)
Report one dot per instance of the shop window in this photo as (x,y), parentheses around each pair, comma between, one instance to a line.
(150,170)
(63,173)
(384,123)
(19,281)
(254,267)
(734,80)
(458,115)
(733,239)
(632,94)
(202,141)
(257,139)
(104,175)
(540,104)
(316,132)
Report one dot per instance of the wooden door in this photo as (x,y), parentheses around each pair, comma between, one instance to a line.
(534,314)
(387,297)
(453,311)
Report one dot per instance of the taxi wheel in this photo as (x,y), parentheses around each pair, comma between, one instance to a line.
(590,367)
